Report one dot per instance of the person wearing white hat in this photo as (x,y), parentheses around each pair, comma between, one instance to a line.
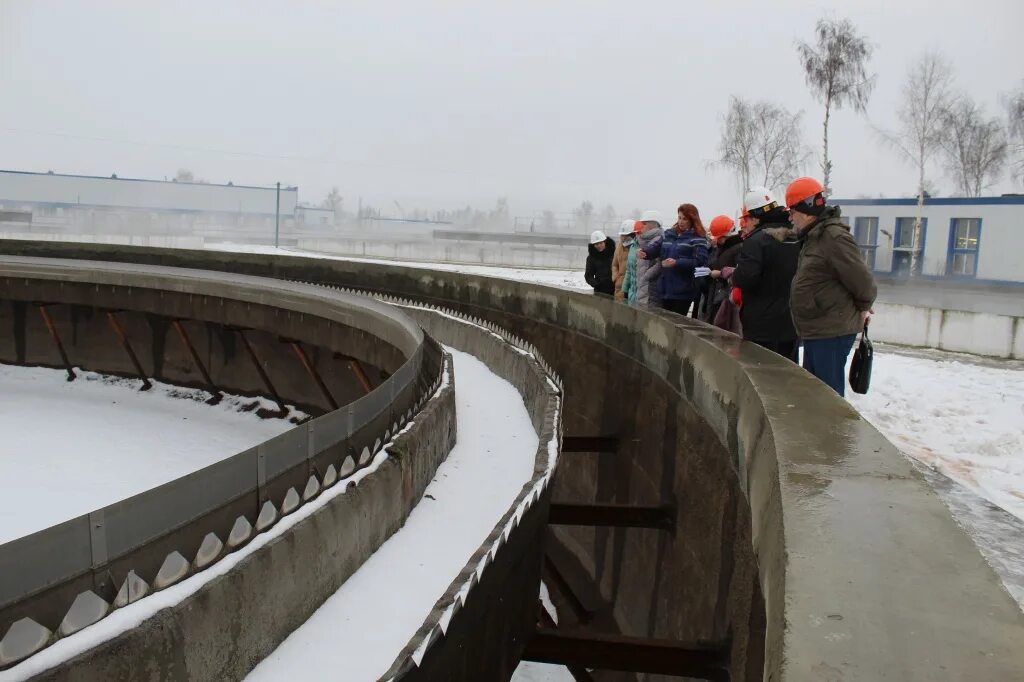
(599,263)
(621,257)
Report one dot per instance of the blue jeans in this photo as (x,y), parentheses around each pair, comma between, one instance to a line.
(826,359)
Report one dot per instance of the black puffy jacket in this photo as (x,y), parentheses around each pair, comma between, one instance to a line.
(599,268)
(724,255)
(764,271)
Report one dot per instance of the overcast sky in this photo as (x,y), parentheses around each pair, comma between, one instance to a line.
(443,103)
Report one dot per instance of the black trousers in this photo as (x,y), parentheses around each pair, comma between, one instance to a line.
(677,305)
(787,349)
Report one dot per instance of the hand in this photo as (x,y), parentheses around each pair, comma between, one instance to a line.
(715,274)
(865,316)
(669,262)
(641,254)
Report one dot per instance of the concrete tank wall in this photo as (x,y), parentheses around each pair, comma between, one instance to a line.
(853,549)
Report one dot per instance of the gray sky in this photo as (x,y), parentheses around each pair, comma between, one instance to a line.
(444,103)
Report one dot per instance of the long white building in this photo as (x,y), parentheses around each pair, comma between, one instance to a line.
(970,239)
(111,205)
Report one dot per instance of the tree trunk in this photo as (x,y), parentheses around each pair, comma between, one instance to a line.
(917,222)
(826,165)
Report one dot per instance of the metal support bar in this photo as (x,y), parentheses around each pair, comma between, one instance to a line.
(582,611)
(707,661)
(613,515)
(210,386)
(590,444)
(267,383)
(311,370)
(579,673)
(56,339)
(115,324)
(357,369)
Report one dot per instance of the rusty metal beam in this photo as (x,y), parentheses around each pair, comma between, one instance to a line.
(267,383)
(56,339)
(311,371)
(701,660)
(216,395)
(590,444)
(612,515)
(115,324)
(357,369)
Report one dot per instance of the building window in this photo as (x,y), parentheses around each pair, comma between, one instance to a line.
(865,232)
(903,246)
(964,238)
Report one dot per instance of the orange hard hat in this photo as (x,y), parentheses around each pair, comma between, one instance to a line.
(720,226)
(802,190)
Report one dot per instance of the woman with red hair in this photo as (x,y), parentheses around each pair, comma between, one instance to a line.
(684,260)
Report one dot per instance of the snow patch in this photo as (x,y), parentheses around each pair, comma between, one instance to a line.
(71,447)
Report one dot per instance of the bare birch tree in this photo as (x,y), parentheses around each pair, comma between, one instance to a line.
(1015,132)
(836,71)
(975,147)
(736,145)
(922,116)
(761,142)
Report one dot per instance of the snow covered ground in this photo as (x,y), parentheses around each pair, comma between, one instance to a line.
(957,414)
(361,628)
(71,447)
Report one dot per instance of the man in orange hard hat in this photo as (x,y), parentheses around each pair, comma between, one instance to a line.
(833,289)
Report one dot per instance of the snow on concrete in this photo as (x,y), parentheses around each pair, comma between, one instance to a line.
(71,447)
(132,615)
(568,279)
(541,672)
(358,631)
(955,414)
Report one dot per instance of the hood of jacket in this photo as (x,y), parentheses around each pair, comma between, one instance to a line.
(649,234)
(609,250)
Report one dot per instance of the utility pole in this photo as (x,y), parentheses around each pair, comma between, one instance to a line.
(277,218)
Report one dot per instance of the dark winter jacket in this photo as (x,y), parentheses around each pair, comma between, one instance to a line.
(765,269)
(599,268)
(832,284)
(723,255)
(690,251)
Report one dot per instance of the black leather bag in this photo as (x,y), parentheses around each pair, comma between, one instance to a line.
(860,368)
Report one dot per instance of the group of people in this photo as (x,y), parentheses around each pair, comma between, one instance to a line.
(788,275)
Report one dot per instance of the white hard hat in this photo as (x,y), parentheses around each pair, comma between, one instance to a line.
(759,200)
(651,217)
(626,227)
(597,236)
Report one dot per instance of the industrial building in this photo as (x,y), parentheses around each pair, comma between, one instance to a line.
(112,205)
(961,238)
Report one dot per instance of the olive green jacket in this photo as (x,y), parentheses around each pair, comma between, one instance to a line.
(832,285)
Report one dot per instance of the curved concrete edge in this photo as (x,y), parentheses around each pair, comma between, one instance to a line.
(227,625)
(431,654)
(356,311)
(905,614)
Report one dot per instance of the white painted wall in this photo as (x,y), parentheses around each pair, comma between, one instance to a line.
(1002,226)
(999,336)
